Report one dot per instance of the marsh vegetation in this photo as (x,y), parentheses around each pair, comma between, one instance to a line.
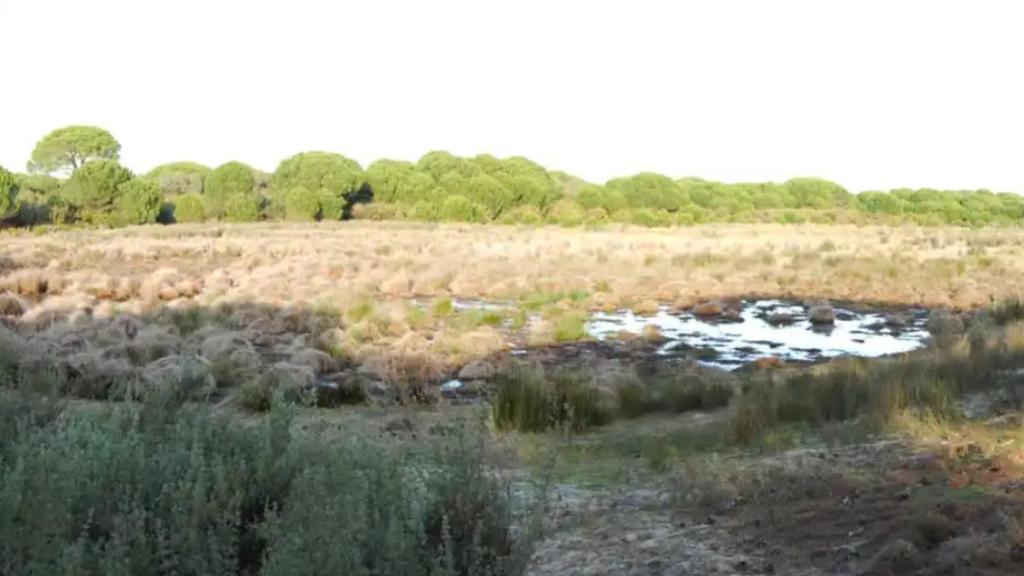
(279,399)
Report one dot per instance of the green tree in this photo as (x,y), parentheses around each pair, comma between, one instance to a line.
(189,208)
(880,203)
(817,193)
(8,194)
(332,205)
(650,190)
(138,202)
(179,178)
(242,208)
(593,197)
(225,181)
(93,189)
(488,192)
(301,205)
(389,179)
(439,163)
(42,185)
(565,212)
(458,208)
(316,170)
(70,147)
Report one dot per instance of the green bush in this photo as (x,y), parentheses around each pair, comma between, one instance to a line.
(93,190)
(566,213)
(649,190)
(570,327)
(301,205)
(335,173)
(527,402)
(59,209)
(225,181)
(458,208)
(242,208)
(138,202)
(189,208)
(160,489)
(332,205)
(179,178)
(9,205)
(388,180)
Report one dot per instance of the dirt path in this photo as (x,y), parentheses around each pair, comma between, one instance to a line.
(639,532)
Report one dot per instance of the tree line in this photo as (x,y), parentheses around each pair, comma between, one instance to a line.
(74,177)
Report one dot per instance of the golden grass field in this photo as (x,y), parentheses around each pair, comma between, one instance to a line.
(294,304)
(266,293)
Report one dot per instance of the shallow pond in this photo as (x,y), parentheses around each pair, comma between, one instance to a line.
(731,344)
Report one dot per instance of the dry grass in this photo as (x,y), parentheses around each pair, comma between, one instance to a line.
(246,297)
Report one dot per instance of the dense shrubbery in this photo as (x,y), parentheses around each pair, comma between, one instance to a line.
(226,181)
(189,208)
(8,194)
(179,178)
(443,187)
(301,205)
(92,191)
(162,489)
(138,202)
(242,208)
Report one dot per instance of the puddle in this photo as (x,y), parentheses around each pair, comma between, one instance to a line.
(725,344)
(729,345)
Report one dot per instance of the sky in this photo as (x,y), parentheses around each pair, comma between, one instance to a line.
(871,94)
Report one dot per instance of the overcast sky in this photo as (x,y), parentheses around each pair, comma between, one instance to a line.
(872,94)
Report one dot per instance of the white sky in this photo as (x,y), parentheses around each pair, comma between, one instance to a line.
(872,94)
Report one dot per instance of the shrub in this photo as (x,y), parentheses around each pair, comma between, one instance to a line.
(526,402)
(651,218)
(332,205)
(189,208)
(442,307)
(93,189)
(301,205)
(242,208)
(179,178)
(522,402)
(59,209)
(138,202)
(335,173)
(570,327)
(649,190)
(8,194)
(566,213)
(223,182)
(458,208)
(388,180)
(164,489)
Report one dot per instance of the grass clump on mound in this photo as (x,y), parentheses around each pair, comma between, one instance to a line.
(527,401)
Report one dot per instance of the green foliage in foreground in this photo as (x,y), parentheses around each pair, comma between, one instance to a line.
(159,489)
